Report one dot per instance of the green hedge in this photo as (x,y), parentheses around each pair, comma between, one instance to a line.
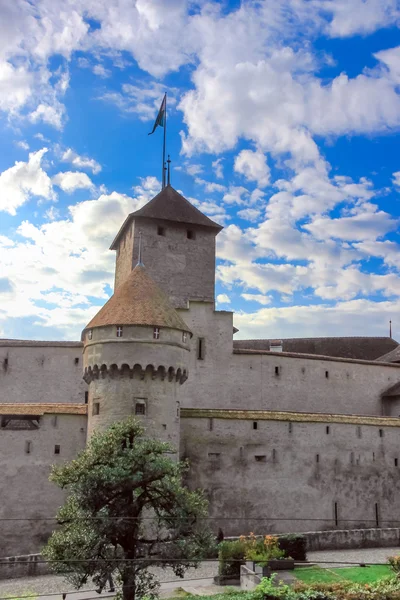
(294,545)
(231,557)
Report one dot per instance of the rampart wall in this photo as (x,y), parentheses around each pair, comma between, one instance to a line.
(268,475)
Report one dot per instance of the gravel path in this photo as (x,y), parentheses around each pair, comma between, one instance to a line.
(364,555)
(56,584)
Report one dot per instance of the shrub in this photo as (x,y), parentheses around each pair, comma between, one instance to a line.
(294,545)
(231,557)
(394,562)
(261,550)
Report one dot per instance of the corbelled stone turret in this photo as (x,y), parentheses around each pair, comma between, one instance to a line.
(135,355)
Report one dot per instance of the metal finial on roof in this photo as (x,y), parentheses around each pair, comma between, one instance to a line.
(140,263)
(169,170)
(390,328)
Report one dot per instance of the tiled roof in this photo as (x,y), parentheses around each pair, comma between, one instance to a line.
(393,356)
(169,205)
(274,415)
(362,348)
(40,343)
(139,301)
(40,409)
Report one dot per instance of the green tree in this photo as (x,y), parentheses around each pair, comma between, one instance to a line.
(126,510)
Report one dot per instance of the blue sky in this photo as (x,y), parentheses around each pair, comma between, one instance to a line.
(283,125)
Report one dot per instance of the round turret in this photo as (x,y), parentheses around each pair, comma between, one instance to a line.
(135,356)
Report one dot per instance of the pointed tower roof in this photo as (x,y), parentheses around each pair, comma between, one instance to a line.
(169,205)
(139,301)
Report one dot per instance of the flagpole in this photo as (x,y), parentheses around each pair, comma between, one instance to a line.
(165,136)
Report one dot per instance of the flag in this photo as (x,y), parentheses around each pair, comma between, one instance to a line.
(161,115)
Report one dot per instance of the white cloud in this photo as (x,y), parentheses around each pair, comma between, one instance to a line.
(365,225)
(142,100)
(253,165)
(52,115)
(260,298)
(210,186)
(218,168)
(360,16)
(74,253)
(234,194)
(101,71)
(22,144)
(69,181)
(396,178)
(223,299)
(80,162)
(249,214)
(25,180)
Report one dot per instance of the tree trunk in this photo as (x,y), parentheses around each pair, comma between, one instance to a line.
(128,587)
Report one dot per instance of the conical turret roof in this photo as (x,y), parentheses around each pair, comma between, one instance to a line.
(139,301)
(169,205)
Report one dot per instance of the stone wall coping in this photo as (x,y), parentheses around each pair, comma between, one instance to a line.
(271,415)
(34,408)
(40,343)
(252,352)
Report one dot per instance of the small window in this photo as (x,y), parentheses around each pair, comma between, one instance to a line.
(381,433)
(54,420)
(261,458)
(290,427)
(396,462)
(328,430)
(140,408)
(57,449)
(119,331)
(28,447)
(276,370)
(160,230)
(327,374)
(90,334)
(214,455)
(86,397)
(178,409)
(200,348)
(156,333)
(317,458)
(373,456)
(359,433)
(190,234)
(376,514)
(96,408)
(164,426)
(255,424)
(76,361)
(210,424)
(184,337)
(336,514)
(5,363)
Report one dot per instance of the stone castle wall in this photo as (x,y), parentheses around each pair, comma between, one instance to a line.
(41,372)
(294,476)
(276,381)
(25,490)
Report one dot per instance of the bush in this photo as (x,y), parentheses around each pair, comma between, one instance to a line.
(231,557)
(294,545)
(394,562)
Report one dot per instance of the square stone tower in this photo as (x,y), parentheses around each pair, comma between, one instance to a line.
(178,247)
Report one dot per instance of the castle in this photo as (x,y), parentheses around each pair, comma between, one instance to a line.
(283,435)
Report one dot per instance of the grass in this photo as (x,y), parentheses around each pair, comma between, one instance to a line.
(354,574)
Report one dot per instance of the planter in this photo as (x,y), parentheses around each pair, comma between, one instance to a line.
(281,564)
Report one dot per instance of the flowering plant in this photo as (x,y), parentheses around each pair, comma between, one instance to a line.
(261,549)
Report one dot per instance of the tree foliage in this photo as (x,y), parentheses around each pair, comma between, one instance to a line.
(126,511)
